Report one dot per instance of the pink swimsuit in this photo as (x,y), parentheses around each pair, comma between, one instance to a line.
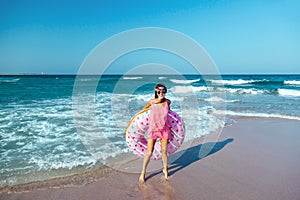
(158,127)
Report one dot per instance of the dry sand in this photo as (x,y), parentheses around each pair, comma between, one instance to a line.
(253,159)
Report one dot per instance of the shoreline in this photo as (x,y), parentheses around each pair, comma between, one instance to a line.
(73,180)
(254,158)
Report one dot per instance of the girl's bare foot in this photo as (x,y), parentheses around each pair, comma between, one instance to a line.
(165,171)
(142,178)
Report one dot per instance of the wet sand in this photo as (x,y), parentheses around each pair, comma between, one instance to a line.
(255,158)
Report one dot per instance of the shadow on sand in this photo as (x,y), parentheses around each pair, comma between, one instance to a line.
(193,154)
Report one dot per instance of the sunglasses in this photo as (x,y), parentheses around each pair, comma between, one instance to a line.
(161,91)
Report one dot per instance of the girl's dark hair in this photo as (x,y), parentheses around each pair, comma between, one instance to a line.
(157,87)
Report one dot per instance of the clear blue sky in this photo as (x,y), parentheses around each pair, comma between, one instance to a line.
(241,36)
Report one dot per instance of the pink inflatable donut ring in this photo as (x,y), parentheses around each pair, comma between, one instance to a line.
(136,132)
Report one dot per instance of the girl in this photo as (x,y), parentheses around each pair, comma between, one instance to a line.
(158,128)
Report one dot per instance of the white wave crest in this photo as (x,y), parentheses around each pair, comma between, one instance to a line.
(260,115)
(289,92)
(188,89)
(132,77)
(200,89)
(162,77)
(232,82)
(218,99)
(9,80)
(244,91)
(184,81)
(294,82)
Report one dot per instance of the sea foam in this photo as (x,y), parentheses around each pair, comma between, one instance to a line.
(289,92)
(260,115)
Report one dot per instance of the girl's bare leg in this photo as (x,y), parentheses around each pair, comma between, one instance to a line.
(164,145)
(147,157)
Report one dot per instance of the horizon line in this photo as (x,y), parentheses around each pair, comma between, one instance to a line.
(114,74)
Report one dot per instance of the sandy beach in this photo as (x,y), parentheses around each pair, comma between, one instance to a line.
(255,158)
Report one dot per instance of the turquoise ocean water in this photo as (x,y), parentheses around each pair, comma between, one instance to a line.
(38,133)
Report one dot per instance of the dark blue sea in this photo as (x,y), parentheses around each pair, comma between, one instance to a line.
(48,121)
